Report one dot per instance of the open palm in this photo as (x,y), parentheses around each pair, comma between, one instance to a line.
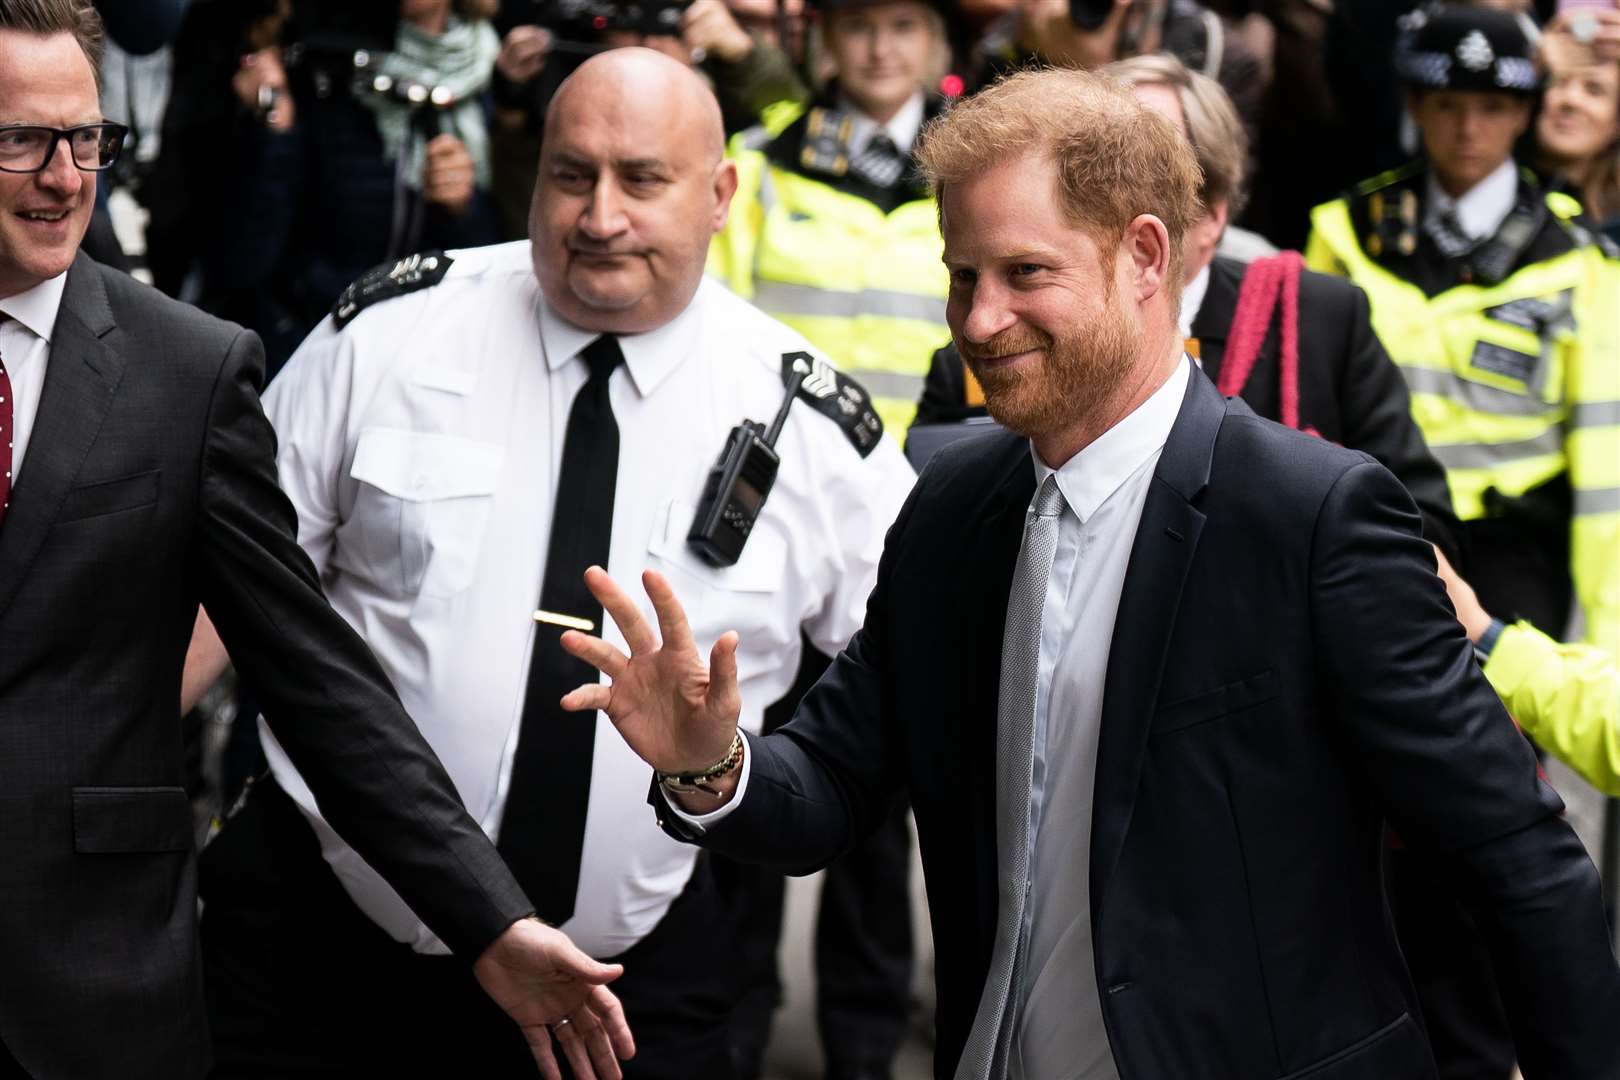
(678,713)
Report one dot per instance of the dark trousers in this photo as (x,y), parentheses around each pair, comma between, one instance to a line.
(1519,572)
(863,954)
(9,1069)
(301,984)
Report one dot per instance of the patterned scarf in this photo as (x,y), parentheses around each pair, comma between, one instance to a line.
(460,60)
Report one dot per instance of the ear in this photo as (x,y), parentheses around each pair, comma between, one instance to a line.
(725,186)
(1147,244)
(1216,216)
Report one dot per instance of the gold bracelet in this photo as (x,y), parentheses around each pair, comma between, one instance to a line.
(692,783)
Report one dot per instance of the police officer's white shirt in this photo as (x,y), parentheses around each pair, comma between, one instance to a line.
(1482,208)
(902,127)
(421,446)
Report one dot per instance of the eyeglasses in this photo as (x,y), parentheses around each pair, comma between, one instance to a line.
(30,149)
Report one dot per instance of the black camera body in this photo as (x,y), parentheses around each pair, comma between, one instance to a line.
(585,20)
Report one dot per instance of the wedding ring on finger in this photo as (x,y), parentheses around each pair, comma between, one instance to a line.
(556,1029)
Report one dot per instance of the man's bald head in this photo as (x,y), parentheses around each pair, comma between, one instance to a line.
(649,82)
(633,184)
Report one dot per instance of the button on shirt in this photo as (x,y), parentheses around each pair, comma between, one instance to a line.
(1060,1034)
(25,343)
(421,446)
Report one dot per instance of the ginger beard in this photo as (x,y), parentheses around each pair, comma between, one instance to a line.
(1075,375)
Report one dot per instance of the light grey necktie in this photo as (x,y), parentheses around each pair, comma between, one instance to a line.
(990,1040)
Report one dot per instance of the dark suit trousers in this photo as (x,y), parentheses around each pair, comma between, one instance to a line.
(300,983)
(863,952)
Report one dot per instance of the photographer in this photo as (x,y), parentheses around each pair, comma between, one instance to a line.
(343,165)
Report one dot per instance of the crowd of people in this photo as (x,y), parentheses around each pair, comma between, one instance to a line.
(1218,737)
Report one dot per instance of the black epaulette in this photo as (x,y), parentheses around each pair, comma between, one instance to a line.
(388,281)
(839,397)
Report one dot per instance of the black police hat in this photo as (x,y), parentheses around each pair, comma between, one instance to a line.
(1458,47)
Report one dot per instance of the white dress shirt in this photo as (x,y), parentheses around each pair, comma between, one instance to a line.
(1059,1033)
(1482,208)
(25,346)
(902,127)
(421,446)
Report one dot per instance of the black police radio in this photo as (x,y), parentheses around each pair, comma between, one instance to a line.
(737,486)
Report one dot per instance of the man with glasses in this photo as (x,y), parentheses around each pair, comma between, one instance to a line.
(137,478)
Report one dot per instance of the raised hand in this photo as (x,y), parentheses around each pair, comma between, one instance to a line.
(678,713)
(552,990)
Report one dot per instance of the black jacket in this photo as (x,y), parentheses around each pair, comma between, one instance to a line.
(150,486)
(1349,389)
(1285,674)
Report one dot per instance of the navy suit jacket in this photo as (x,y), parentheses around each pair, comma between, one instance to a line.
(1286,674)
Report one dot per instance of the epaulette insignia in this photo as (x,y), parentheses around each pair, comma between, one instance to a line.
(390,280)
(837,396)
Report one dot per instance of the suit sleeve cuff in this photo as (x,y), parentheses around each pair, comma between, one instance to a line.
(701,823)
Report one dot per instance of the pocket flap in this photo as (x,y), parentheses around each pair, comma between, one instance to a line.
(1254,690)
(113,820)
(758,569)
(110,496)
(420,466)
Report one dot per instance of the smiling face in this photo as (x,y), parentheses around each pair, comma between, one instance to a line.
(1580,116)
(1036,308)
(1468,133)
(44,80)
(882,53)
(631,189)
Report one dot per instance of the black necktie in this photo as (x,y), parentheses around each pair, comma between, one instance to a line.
(543,826)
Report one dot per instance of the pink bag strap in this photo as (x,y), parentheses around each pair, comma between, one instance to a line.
(1267,282)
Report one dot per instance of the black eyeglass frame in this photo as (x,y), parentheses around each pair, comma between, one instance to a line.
(121,131)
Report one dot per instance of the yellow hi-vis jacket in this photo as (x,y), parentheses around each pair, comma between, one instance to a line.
(1514,382)
(807,243)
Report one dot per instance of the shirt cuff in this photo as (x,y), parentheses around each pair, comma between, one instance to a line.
(701,823)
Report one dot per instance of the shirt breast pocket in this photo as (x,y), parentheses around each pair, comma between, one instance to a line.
(421,511)
(742,597)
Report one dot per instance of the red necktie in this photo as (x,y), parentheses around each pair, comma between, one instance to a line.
(6,434)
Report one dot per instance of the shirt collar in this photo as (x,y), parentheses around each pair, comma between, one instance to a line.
(36,308)
(1088,479)
(649,356)
(1482,208)
(1192,298)
(902,126)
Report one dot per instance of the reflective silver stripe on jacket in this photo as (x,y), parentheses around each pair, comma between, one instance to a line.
(1484,455)
(781,298)
(887,384)
(1595,414)
(1598,501)
(1477,396)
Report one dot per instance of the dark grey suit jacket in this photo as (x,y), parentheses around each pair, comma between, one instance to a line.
(149,485)
(1285,675)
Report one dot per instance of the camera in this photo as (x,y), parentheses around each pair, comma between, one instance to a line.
(585,20)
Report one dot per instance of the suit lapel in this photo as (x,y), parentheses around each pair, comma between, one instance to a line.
(1166,541)
(80,378)
(1000,533)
